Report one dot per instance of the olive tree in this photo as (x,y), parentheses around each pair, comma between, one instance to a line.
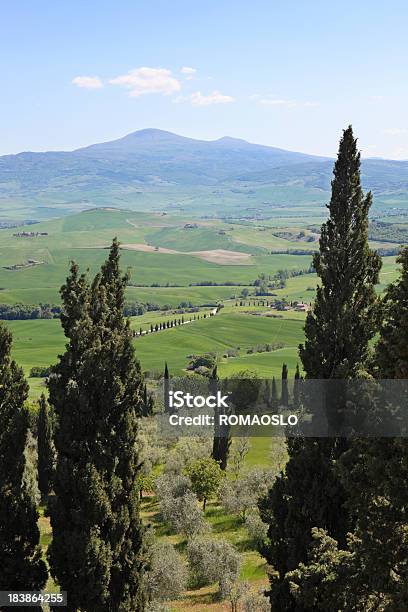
(179,505)
(166,577)
(213,561)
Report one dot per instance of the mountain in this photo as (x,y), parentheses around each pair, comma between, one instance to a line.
(147,156)
(154,168)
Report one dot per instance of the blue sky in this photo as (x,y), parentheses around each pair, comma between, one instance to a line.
(287,73)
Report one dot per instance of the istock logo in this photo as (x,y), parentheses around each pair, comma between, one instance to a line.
(179,399)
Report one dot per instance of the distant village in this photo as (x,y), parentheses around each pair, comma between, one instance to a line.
(30,234)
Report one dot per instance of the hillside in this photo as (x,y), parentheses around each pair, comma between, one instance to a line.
(151,170)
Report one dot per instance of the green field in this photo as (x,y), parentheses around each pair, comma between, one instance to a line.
(85,238)
(38,343)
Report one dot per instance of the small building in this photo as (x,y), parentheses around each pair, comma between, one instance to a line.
(301,307)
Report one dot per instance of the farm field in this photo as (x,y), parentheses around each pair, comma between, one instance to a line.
(212,252)
(177,263)
(38,343)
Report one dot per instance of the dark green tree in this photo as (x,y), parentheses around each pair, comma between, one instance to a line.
(222,433)
(267,393)
(391,355)
(21,565)
(46,451)
(274,393)
(96,390)
(371,572)
(296,387)
(338,330)
(166,389)
(284,392)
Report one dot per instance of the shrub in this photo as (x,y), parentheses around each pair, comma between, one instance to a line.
(205,475)
(257,529)
(213,561)
(240,495)
(166,577)
(179,506)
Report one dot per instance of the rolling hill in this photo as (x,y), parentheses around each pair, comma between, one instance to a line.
(157,170)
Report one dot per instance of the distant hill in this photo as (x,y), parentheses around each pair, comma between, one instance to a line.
(152,168)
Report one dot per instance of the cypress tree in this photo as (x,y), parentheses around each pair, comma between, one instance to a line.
(145,401)
(274,393)
(267,393)
(375,470)
(284,393)
(46,452)
(96,390)
(372,571)
(222,433)
(150,406)
(296,388)
(166,379)
(391,355)
(21,565)
(338,330)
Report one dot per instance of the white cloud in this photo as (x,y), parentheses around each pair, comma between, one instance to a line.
(188,72)
(216,97)
(394,131)
(88,82)
(145,80)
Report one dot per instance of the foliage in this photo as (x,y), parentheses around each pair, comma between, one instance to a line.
(46,450)
(179,505)
(244,387)
(240,450)
(255,601)
(205,476)
(391,355)
(96,391)
(256,528)
(167,575)
(338,332)
(207,360)
(187,449)
(213,561)
(40,371)
(22,567)
(22,312)
(240,495)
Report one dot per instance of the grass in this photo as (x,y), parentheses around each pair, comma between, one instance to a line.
(38,343)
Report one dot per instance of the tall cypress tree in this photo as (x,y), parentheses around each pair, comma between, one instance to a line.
(166,389)
(375,470)
(338,330)
(284,392)
(372,571)
(96,390)
(296,387)
(274,393)
(222,433)
(21,565)
(46,453)
(392,348)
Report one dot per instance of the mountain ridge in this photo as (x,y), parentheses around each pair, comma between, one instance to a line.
(157,167)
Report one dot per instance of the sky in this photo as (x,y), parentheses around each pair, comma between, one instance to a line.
(285,73)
